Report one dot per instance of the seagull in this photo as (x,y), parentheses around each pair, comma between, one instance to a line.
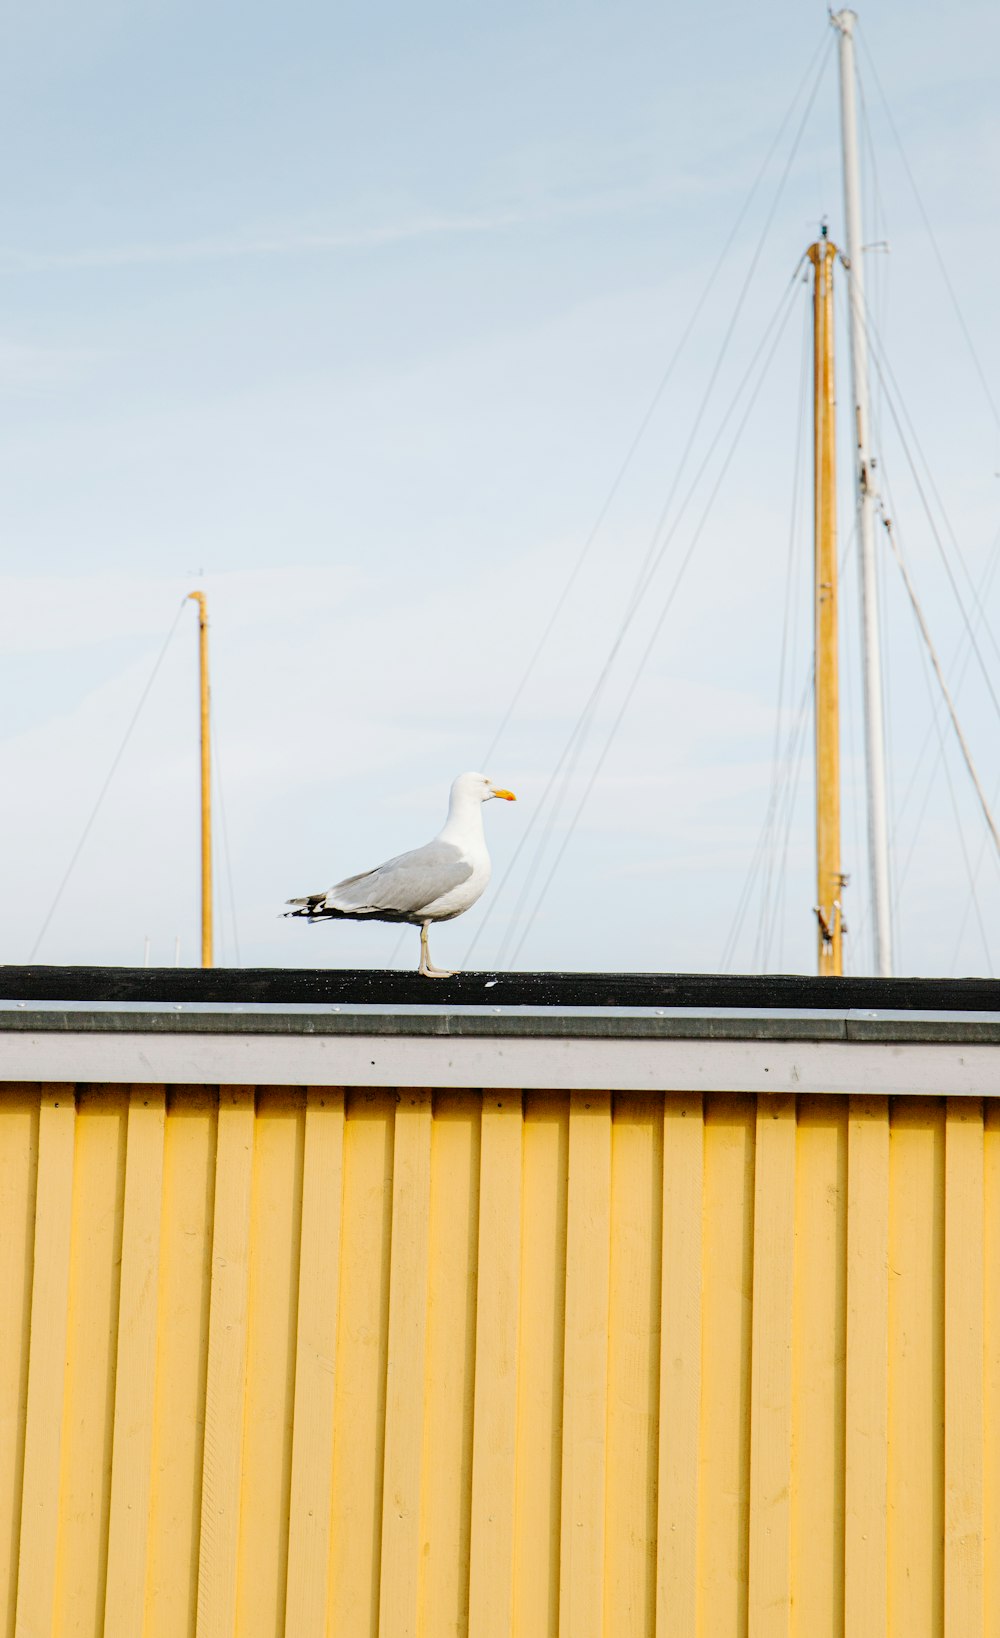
(432,883)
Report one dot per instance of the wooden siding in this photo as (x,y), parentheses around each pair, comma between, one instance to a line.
(559,1365)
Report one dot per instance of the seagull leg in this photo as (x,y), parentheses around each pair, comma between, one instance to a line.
(427,968)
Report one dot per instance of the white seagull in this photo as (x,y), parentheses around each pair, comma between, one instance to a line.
(433,883)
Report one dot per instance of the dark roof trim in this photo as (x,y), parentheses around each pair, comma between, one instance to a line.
(290,986)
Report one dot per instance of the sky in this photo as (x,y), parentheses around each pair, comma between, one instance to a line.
(398,330)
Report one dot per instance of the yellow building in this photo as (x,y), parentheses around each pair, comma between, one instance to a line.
(548,1320)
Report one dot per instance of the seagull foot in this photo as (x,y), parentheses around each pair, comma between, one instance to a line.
(427,968)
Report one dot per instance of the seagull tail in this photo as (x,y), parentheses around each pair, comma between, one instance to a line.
(313,907)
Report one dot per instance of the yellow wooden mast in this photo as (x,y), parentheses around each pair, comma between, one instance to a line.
(829,880)
(206,783)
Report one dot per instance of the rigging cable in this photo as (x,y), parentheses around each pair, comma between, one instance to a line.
(644,579)
(104,788)
(785,792)
(995,412)
(575,743)
(954,808)
(984,382)
(651,644)
(970,631)
(763,940)
(885,376)
(779,815)
(791,805)
(961,658)
(886,681)
(987,584)
(640,587)
(972,902)
(778,793)
(881,359)
(925,633)
(853,728)
(668,373)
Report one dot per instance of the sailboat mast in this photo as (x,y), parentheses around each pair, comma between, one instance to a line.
(878,828)
(206,782)
(829,880)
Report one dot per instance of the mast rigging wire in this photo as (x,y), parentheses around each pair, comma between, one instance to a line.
(943,759)
(104,788)
(853,730)
(961,658)
(972,901)
(779,813)
(822,51)
(881,360)
(886,376)
(791,799)
(643,579)
(651,644)
(983,380)
(577,738)
(935,662)
(647,573)
(763,940)
(778,794)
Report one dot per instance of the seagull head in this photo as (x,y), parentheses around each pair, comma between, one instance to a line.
(476,787)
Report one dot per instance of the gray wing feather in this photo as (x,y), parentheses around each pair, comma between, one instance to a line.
(404,885)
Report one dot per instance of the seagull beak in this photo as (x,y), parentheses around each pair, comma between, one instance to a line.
(508,796)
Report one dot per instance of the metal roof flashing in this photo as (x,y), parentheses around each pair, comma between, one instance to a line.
(576,1032)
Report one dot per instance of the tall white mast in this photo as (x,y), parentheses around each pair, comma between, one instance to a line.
(878,828)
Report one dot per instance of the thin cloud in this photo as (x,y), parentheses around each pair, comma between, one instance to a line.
(297,243)
(23,366)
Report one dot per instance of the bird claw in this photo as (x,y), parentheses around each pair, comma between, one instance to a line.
(435,972)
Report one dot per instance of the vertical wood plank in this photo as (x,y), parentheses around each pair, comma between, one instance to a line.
(405,1368)
(47,1362)
(91,1345)
(128,1528)
(633,1366)
(963,1369)
(362,1342)
(769,1605)
(680,1366)
(182,1361)
(991,1373)
(315,1365)
(266,1458)
(18,1188)
(727,1321)
(585,1379)
(866,1429)
(916,1368)
(451,1363)
(540,1364)
(226,1376)
(491,1568)
(818,1353)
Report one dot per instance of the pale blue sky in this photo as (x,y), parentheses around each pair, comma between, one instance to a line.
(351,318)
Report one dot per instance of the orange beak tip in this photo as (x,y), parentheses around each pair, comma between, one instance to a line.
(508,796)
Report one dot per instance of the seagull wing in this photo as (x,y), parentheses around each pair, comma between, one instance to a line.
(403,886)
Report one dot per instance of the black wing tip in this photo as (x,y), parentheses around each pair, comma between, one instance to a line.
(309,907)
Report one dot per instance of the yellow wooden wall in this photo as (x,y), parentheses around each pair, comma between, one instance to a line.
(284,1362)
